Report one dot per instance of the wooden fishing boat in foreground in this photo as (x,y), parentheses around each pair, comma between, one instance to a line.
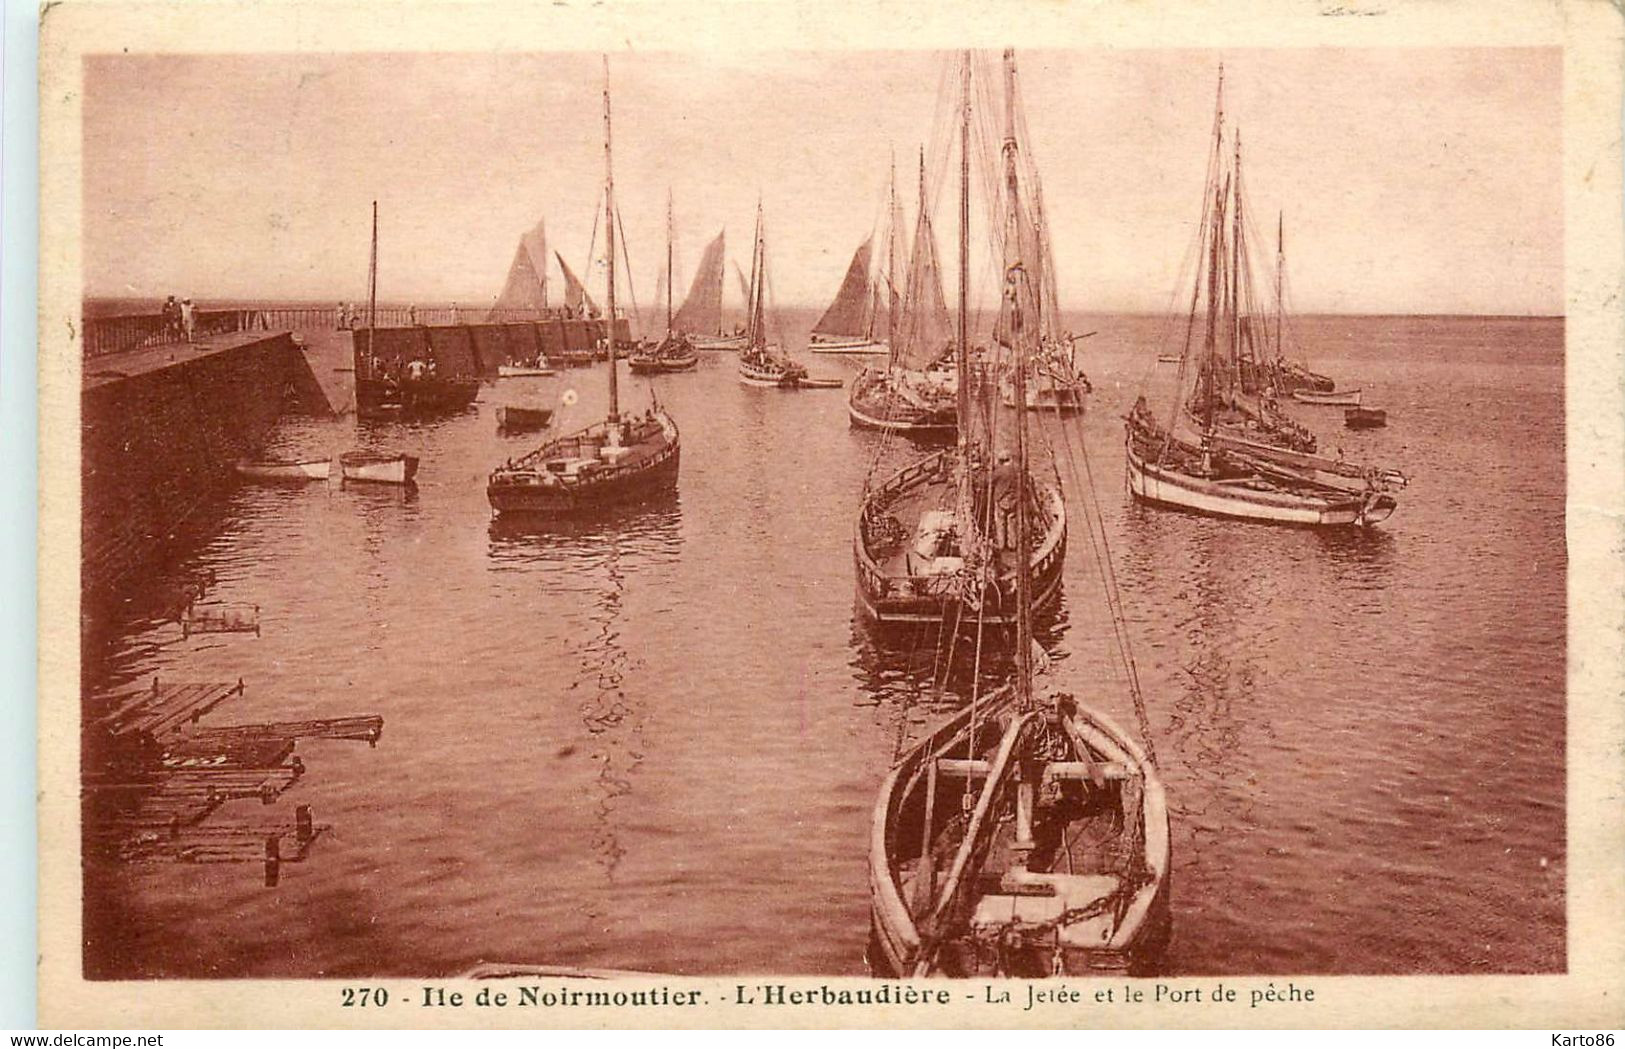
(285,469)
(1058,866)
(608,462)
(1338,398)
(379,467)
(1026,835)
(621,459)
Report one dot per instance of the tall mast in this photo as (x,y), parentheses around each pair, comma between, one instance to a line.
(372,288)
(609,232)
(1015,274)
(1216,229)
(962,343)
(668,261)
(1280,268)
(891,264)
(1235,261)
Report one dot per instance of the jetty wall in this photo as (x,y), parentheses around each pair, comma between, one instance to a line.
(160,431)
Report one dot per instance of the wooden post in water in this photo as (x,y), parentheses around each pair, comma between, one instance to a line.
(273,860)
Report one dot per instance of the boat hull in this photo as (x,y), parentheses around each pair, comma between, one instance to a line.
(1340,398)
(512,371)
(869,407)
(719,343)
(1365,418)
(514,491)
(898,830)
(269,470)
(379,469)
(856,346)
(1164,487)
(888,598)
(375,398)
(523,420)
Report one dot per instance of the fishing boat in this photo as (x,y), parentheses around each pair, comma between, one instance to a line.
(933,541)
(284,469)
(620,459)
(1221,450)
(1365,418)
(848,325)
(516,419)
(1054,383)
(1287,375)
(1168,358)
(1026,835)
(675,352)
(522,371)
(1334,398)
(910,396)
(761,364)
(379,467)
(407,383)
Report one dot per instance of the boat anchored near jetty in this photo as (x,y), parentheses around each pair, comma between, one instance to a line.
(621,459)
(285,470)
(379,467)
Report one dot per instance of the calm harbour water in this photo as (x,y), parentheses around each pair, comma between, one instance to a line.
(653,742)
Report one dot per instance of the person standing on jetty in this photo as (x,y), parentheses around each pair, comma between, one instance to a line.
(188,318)
(171,318)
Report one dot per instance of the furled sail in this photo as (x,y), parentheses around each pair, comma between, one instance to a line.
(925,329)
(575,293)
(849,313)
(701,312)
(526,287)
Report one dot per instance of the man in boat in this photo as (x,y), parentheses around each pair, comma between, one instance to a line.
(1006,490)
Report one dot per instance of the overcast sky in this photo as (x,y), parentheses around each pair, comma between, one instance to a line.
(1412,180)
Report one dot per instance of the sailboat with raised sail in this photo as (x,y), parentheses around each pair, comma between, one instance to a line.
(1027,835)
(762,363)
(910,395)
(933,541)
(848,326)
(622,458)
(1291,376)
(675,352)
(700,316)
(1222,449)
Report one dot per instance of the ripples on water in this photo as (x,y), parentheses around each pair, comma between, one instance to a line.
(653,741)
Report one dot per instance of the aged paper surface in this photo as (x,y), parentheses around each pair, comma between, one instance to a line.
(105,70)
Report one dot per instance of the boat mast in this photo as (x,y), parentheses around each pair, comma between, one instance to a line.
(372,290)
(962,343)
(1018,329)
(1216,229)
(891,263)
(1280,267)
(609,233)
(1235,265)
(668,261)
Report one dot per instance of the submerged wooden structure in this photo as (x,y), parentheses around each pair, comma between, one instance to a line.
(154,781)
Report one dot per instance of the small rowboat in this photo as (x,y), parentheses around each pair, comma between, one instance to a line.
(808,383)
(1028,843)
(378,467)
(1168,358)
(1365,418)
(285,469)
(519,371)
(1338,398)
(512,419)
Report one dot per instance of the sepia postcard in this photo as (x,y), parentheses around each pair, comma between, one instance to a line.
(853,514)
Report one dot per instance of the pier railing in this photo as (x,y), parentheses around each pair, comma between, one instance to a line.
(104,335)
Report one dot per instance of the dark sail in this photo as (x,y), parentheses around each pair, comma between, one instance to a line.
(526,287)
(575,293)
(849,313)
(701,312)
